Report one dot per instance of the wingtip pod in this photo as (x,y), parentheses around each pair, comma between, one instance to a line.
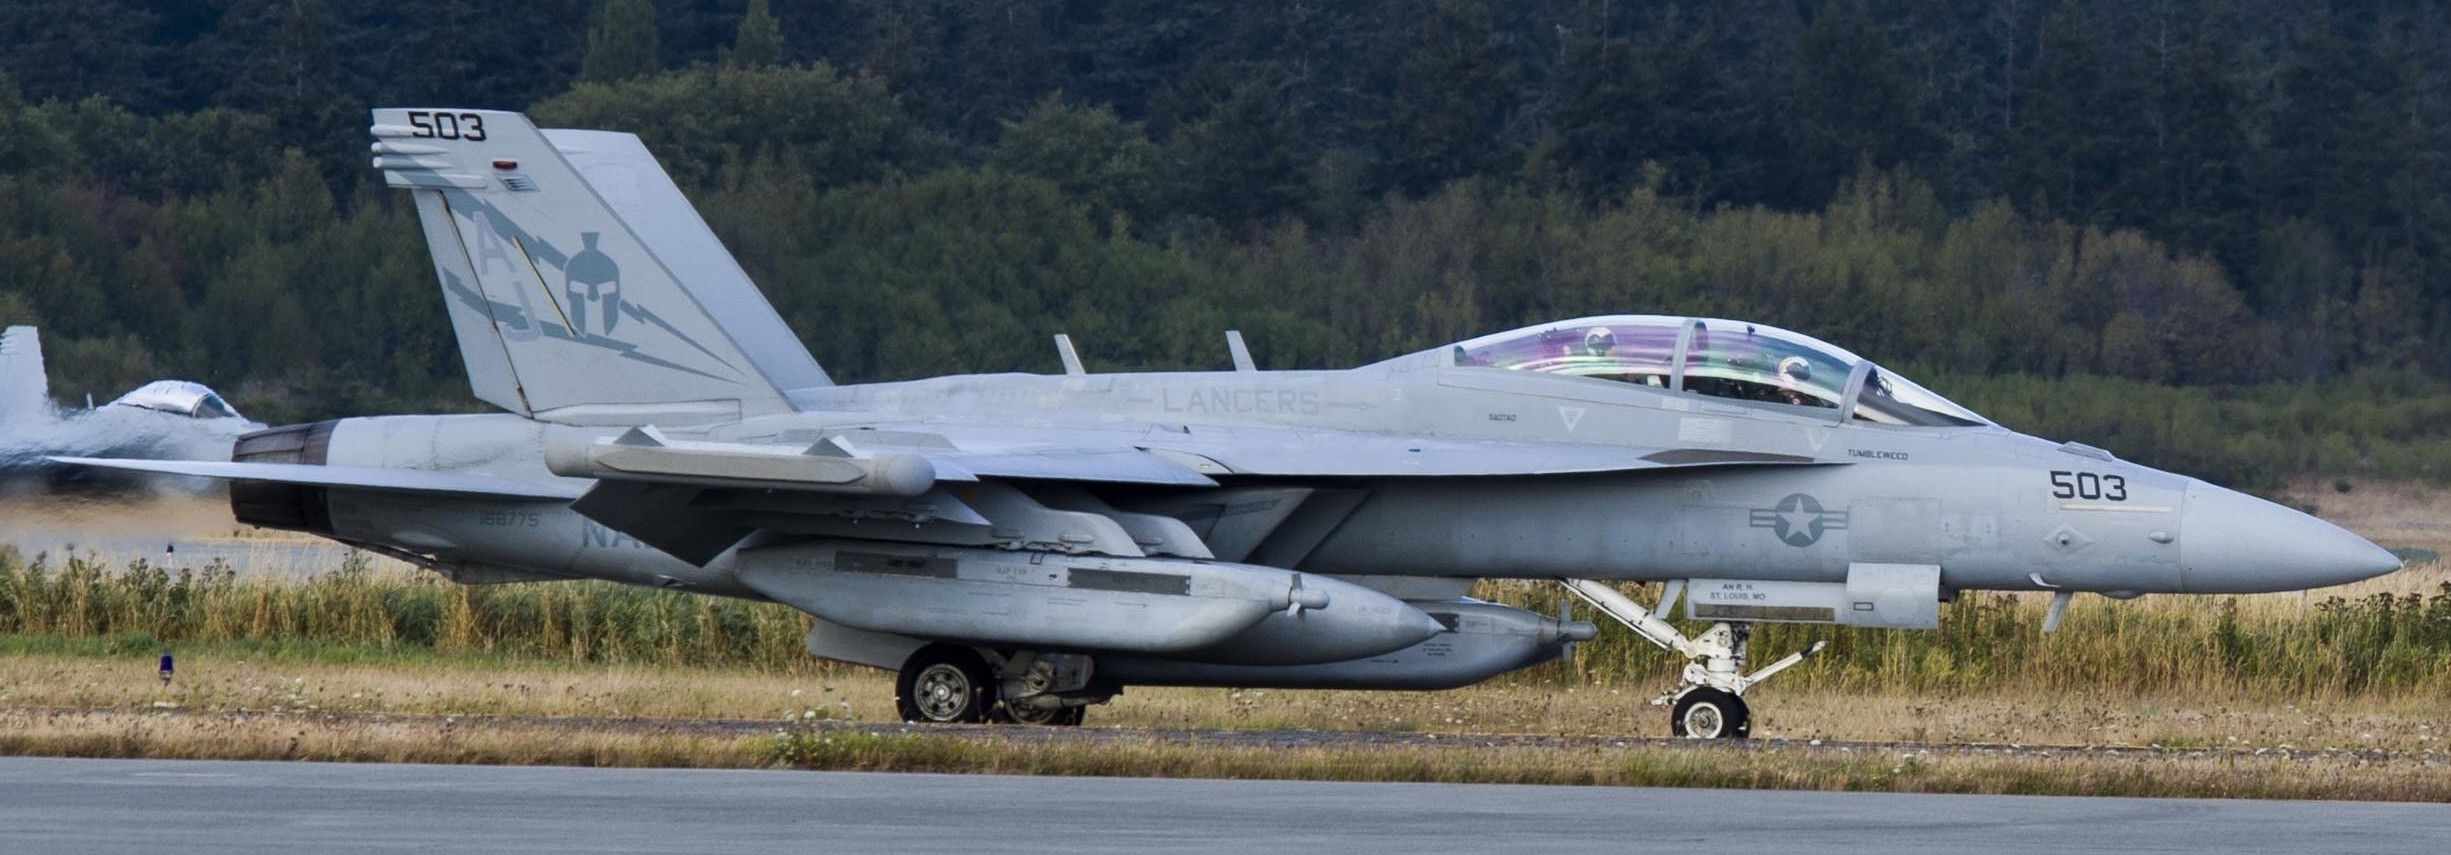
(583,287)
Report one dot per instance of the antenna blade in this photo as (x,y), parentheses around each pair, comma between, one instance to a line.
(1242,352)
(1072,358)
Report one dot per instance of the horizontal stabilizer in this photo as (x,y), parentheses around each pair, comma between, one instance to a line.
(359,477)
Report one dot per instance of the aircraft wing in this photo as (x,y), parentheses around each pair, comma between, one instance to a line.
(696,499)
(1288,453)
(1156,457)
(359,477)
(1098,465)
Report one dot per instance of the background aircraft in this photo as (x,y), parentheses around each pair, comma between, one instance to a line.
(1024,546)
(164,419)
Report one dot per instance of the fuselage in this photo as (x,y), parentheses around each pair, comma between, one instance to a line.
(1794,494)
(1035,543)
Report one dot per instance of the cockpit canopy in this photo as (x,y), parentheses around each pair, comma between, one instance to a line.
(179,397)
(1722,359)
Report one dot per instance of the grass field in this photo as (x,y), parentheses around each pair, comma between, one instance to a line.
(1739,765)
(2380,639)
(274,666)
(2361,668)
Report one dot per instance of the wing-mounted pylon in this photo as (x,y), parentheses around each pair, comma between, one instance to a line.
(696,499)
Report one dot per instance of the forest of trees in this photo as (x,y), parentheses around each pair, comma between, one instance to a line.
(2210,234)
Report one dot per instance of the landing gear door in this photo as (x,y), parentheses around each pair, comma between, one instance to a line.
(1894,596)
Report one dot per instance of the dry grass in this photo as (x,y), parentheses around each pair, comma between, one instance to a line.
(1689,765)
(263,660)
(365,739)
(212,682)
(2380,639)
(106,733)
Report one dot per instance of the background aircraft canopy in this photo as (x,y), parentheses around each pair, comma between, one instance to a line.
(1724,359)
(182,397)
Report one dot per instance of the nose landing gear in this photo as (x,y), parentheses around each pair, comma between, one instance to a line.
(1708,703)
(1702,712)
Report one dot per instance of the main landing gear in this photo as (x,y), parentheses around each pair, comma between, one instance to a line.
(1708,702)
(946,684)
(950,684)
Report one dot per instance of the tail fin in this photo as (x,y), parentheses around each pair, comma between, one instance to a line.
(25,392)
(562,256)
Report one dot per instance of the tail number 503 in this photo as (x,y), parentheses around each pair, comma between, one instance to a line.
(447,126)
(2088,485)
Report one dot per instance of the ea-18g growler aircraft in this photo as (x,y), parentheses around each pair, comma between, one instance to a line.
(168,419)
(1022,546)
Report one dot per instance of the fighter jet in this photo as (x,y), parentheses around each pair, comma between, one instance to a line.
(173,419)
(1022,546)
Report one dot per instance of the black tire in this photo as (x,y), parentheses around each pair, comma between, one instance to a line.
(944,684)
(1706,713)
(1060,717)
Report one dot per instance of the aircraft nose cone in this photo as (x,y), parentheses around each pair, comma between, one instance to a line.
(2233,543)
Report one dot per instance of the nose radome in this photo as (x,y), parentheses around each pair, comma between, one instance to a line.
(2233,543)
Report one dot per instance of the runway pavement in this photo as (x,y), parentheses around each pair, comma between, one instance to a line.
(145,806)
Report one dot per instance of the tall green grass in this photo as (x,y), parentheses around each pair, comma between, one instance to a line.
(356,607)
(2381,643)
(2376,643)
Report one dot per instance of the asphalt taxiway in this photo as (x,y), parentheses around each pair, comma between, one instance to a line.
(148,806)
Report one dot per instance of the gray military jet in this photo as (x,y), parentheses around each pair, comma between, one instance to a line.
(166,419)
(1022,546)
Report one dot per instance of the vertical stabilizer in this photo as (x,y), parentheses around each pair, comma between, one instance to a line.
(582,286)
(25,392)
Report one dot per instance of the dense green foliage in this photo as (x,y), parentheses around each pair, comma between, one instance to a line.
(2234,208)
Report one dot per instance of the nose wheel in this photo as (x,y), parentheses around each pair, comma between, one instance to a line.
(1702,712)
(1708,702)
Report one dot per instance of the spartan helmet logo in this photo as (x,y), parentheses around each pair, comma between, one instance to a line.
(592,278)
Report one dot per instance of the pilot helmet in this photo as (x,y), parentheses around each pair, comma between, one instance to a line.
(1599,341)
(1794,371)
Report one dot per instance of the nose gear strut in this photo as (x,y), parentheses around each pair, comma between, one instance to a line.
(1708,702)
